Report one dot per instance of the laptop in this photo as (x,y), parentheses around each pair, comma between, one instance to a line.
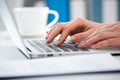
(39,48)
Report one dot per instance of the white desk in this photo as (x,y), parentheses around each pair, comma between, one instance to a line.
(9,52)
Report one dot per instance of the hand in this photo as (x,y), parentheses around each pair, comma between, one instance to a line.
(104,36)
(78,29)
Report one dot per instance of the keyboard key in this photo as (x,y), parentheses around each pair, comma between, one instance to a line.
(51,46)
(42,46)
(64,48)
(67,46)
(73,48)
(84,49)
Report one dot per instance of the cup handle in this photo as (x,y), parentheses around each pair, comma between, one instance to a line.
(54,20)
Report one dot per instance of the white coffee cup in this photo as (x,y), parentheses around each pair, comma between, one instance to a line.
(32,21)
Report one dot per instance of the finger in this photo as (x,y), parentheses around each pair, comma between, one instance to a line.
(81,36)
(101,33)
(58,24)
(54,32)
(106,43)
(110,26)
(70,27)
(48,32)
(101,29)
(97,38)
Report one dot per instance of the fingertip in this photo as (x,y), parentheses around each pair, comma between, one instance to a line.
(73,38)
(58,43)
(82,45)
(47,31)
(48,40)
(95,47)
(79,46)
(46,37)
(98,45)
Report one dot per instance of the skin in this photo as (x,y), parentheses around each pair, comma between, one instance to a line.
(87,33)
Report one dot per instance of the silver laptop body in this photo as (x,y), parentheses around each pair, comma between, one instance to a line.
(39,48)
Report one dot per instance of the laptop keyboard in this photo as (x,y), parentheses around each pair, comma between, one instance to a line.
(42,46)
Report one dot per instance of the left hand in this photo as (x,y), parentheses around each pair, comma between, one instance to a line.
(104,36)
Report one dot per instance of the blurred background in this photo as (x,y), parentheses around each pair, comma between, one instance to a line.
(95,10)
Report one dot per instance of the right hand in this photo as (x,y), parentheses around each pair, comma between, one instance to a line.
(78,29)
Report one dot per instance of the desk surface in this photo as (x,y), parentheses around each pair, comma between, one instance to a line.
(9,52)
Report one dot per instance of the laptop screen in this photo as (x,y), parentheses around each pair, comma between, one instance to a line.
(6,12)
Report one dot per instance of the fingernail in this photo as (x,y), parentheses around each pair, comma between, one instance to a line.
(81,44)
(46,37)
(46,31)
(47,40)
(58,43)
(73,38)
